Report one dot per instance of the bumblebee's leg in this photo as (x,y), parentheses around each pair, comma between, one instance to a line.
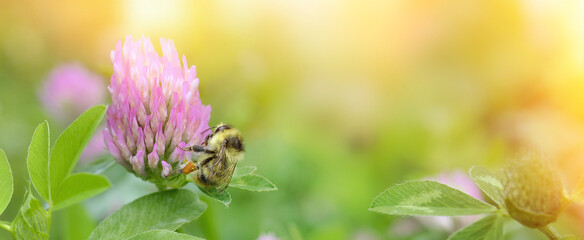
(206,142)
(197,148)
(188,168)
(179,170)
(207,160)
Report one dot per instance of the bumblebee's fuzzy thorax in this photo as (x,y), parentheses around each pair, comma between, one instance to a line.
(234,142)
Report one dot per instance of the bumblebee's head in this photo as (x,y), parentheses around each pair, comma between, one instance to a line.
(222,127)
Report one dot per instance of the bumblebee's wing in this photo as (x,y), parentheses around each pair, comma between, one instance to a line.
(220,158)
(229,171)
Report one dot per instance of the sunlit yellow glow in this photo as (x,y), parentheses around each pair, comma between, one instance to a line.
(154,15)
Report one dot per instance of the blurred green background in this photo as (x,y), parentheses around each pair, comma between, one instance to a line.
(337,99)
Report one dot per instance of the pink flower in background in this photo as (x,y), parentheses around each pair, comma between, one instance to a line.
(95,147)
(69,90)
(463,182)
(155,109)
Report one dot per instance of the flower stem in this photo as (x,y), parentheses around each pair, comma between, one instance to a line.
(50,215)
(550,232)
(160,187)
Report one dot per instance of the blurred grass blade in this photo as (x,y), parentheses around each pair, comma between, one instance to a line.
(488,183)
(6,182)
(244,170)
(487,228)
(38,160)
(78,187)
(253,182)
(99,166)
(223,197)
(32,221)
(160,210)
(78,223)
(72,223)
(427,198)
(163,234)
(294,232)
(70,145)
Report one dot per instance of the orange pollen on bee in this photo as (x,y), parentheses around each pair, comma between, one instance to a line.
(190,167)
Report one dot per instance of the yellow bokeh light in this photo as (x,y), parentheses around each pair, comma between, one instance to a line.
(143,16)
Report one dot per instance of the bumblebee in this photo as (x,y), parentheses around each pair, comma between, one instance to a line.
(216,158)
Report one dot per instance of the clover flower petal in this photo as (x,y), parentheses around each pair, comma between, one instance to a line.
(155,109)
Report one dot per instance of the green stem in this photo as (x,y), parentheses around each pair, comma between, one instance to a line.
(550,232)
(207,221)
(6,225)
(50,213)
(503,212)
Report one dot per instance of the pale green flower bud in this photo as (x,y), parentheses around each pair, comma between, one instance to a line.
(533,191)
